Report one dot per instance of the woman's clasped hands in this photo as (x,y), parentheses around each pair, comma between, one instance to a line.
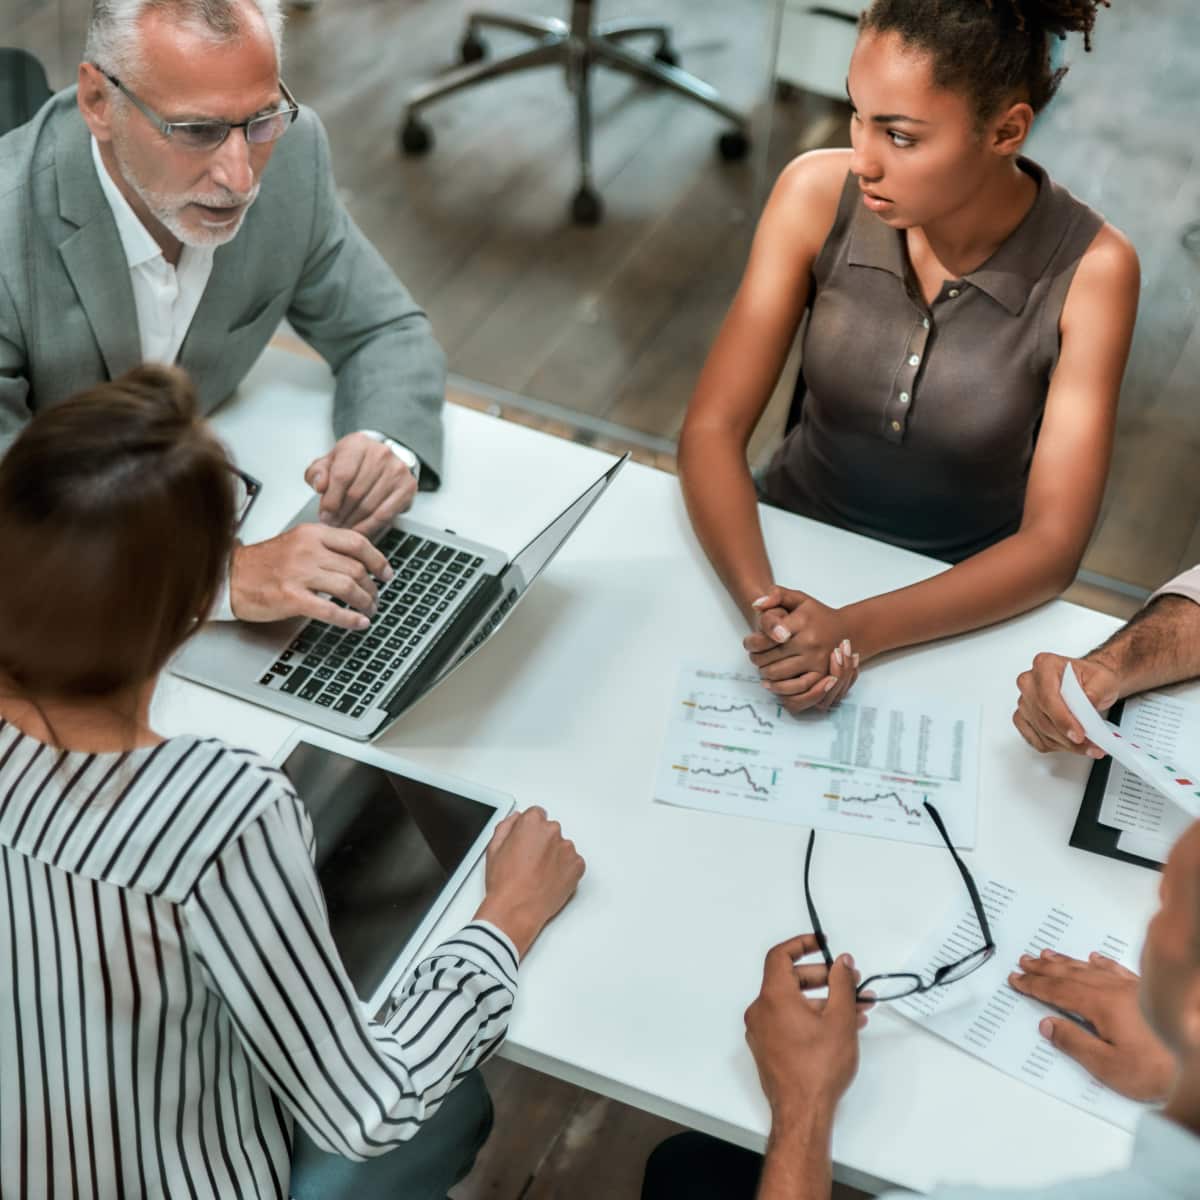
(801,650)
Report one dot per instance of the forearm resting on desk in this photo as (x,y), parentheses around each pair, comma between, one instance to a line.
(1160,645)
(1002,581)
(723,506)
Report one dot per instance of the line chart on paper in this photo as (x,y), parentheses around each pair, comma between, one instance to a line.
(718,775)
(886,803)
(718,711)
(869,766)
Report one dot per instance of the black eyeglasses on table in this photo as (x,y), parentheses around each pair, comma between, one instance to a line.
(204,136)
(898,984)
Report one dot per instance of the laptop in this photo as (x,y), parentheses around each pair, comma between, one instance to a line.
(394,843)
(447,597)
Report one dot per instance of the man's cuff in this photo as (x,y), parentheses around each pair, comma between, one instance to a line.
(405,454)
(1187,585)
(222,609)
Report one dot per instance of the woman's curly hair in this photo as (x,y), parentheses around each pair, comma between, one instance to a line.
(991,50)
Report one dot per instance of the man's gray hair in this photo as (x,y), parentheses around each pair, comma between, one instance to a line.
(112,37)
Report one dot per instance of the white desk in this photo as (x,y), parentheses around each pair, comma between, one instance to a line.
(638,990)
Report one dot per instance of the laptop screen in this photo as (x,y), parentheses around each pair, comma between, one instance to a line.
(536,556)
(386,845)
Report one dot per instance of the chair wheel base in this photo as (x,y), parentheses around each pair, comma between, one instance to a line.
(733,145)
(472,48)
(587,208)
(667,55)
(416,137)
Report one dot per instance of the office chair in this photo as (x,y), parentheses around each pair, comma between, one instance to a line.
(577,45)
(23,88)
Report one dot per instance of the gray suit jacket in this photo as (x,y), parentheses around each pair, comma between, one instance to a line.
(67,315)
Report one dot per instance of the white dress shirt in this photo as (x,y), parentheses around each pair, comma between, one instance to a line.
(166,297)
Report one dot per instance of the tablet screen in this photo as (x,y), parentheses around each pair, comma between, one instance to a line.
(386,845)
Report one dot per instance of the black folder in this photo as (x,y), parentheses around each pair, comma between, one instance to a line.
(1088,833)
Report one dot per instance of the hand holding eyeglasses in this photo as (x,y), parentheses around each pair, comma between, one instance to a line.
(806,1049)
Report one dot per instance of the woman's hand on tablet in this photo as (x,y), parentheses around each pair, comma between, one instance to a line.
(532,871)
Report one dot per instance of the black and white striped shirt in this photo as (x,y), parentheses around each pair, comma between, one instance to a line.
(172,996)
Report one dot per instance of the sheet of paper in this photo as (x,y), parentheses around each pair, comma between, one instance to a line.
(1145,845)
(1150,821)
(865,767)
(1171,778)
(984,1016)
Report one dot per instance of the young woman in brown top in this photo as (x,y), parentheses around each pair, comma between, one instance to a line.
(968,327)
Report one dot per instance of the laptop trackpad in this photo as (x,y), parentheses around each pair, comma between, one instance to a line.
(235,649)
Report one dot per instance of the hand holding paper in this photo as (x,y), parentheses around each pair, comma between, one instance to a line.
(1180,785)
(1042,717)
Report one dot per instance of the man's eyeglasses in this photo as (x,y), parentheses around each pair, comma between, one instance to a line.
(205,136)
(896,985)
(245,492)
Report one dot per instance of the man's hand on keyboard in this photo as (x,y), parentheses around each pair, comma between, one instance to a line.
(282,577)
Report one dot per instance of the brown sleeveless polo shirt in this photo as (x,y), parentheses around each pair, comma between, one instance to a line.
(917,422)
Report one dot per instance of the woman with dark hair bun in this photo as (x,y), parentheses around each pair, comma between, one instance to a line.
(174,1017)
(965,324)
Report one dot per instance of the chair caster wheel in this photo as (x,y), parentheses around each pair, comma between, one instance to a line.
(667,55)
(587,208)
(733,145)
(416,137)
(472,48)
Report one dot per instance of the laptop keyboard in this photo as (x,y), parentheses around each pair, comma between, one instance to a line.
(346,670)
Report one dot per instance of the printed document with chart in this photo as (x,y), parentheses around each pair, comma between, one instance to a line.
(865,767)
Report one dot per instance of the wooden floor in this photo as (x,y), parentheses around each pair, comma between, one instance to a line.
(611,324)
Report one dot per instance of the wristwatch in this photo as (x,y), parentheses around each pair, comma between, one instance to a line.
(402,452)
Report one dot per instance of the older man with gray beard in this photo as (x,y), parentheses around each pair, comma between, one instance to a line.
(157,211)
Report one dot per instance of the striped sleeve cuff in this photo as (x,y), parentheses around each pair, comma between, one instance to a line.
(452,1012)
(482,944)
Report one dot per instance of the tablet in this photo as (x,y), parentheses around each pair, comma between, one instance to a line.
(394,843)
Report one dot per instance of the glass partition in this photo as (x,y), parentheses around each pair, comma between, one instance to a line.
(51,30)
(601,324)
(599,331)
